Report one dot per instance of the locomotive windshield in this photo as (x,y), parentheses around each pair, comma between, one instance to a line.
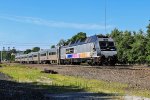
(107,46)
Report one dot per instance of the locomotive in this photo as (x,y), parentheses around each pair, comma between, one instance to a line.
(94,50)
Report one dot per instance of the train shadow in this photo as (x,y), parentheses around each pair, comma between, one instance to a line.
(11,90)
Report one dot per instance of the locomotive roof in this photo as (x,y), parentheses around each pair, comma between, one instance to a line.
(88,40)
(83,41)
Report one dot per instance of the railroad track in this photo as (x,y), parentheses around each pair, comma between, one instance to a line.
(121,67)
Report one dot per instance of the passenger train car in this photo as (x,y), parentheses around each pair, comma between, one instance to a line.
(94,50)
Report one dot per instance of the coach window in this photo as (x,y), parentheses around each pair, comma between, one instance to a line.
(35,55)
(52,53)
(43,54)
(30,56)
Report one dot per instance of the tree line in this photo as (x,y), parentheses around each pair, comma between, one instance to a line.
(8,55)
(132,47)
(34,49)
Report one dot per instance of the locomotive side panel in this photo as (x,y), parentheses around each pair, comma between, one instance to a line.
(78,53)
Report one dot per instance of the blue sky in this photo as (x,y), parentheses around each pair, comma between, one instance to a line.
(28,23)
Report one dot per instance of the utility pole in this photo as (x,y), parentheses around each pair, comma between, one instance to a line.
(58,54)
(1,55)
(8,55)
(3,52)
(19,57)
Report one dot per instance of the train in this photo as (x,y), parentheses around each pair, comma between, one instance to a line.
(93,50)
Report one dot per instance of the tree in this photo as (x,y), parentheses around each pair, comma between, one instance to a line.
(148,30)
(8,55)
(101,35)
(53,46)
(132,47)
(12,54)
(35,49)
(61,42)
(139,47)
(27,51)
(78,36)
(117,35)
(12,58)
(4,55)
(68,41)
(13,50)
(148,44)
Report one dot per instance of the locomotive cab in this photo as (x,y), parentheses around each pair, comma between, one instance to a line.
(107,51)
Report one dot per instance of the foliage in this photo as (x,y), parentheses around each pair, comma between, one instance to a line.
(27,51)
(53,46)
(8,55)
(132,47)
(78,36)
(61,42)
(36,49)
(148,30)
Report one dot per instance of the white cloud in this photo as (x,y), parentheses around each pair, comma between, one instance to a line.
(49,23)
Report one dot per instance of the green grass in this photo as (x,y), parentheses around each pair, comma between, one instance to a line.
(23,74)
(88,85)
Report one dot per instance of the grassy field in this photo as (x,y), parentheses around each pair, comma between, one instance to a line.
(56,83)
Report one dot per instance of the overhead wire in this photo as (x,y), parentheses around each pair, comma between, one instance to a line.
(25,44)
